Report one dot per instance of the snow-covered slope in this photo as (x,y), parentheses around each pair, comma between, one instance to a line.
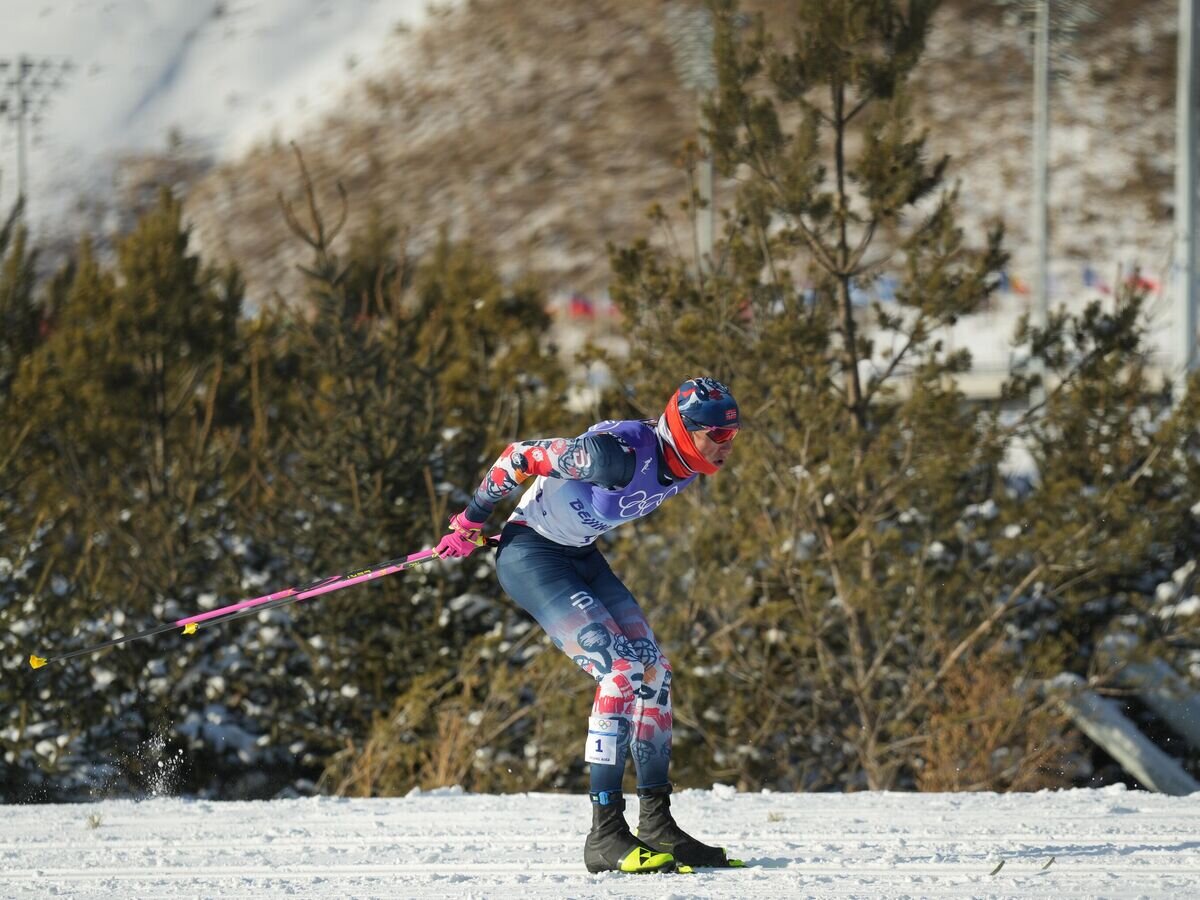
(220,73)
(1105,843)
(545,131)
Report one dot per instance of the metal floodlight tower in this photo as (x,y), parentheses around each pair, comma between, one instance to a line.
(26,84)
(1063,21)
(1184,337)
(1041,173)
(690,31)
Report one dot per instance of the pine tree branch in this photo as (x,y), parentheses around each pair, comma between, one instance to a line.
(1013,600)
(762,168)
(22,436)
(860,250)
(861,105)
(875,385)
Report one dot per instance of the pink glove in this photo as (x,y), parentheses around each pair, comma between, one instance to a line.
(465,538)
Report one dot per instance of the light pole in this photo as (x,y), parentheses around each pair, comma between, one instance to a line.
(26,84)
(690,31)
(1041,173)
(1063,21)
(1185,192)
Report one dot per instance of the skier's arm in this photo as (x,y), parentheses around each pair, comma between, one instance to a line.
(602,459)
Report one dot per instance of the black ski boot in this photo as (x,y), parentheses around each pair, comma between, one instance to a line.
(657,827)
(611,847)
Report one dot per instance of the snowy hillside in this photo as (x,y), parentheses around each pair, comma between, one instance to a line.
(545,132)
(220,73)
(1100,843)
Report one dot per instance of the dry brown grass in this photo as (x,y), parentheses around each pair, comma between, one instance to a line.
(544,131)
(480,730)
(538,131)
(984,736)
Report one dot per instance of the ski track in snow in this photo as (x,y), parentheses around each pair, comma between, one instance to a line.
(444,843)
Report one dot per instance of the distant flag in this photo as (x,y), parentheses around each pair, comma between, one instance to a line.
(1092,279)
(1144,283)
(581,307)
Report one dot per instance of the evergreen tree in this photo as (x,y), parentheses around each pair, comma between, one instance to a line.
(864,599)
(827,582)
(414,376)
(128,385)
(1116,454)
(20,316)
(120,486)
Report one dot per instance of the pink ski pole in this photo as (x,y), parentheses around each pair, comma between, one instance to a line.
(189,624)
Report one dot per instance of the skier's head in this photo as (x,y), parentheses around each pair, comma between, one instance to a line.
(700,423)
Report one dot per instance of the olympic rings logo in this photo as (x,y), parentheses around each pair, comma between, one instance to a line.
(639,503)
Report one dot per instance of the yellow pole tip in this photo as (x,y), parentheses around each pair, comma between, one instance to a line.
(190,628)
(36,661)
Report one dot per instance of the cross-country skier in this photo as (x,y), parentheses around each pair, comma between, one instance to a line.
(547,561)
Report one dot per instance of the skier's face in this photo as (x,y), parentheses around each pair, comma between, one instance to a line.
(712,451)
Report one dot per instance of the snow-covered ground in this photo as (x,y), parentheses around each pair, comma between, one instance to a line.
(221,73)
(1085,843)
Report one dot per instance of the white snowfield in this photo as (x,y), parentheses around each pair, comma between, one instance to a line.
(445,843)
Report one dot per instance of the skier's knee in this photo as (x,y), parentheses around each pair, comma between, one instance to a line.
(627,676)
(617,690)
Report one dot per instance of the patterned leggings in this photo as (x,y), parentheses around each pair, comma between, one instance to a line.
(593,618)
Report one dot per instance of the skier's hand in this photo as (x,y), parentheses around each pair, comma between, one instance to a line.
(465,538)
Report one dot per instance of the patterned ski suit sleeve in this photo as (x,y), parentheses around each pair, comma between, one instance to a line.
(599,458)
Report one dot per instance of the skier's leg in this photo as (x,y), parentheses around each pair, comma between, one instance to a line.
(652,720)
(545,580)
(651,745)
(547,584)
